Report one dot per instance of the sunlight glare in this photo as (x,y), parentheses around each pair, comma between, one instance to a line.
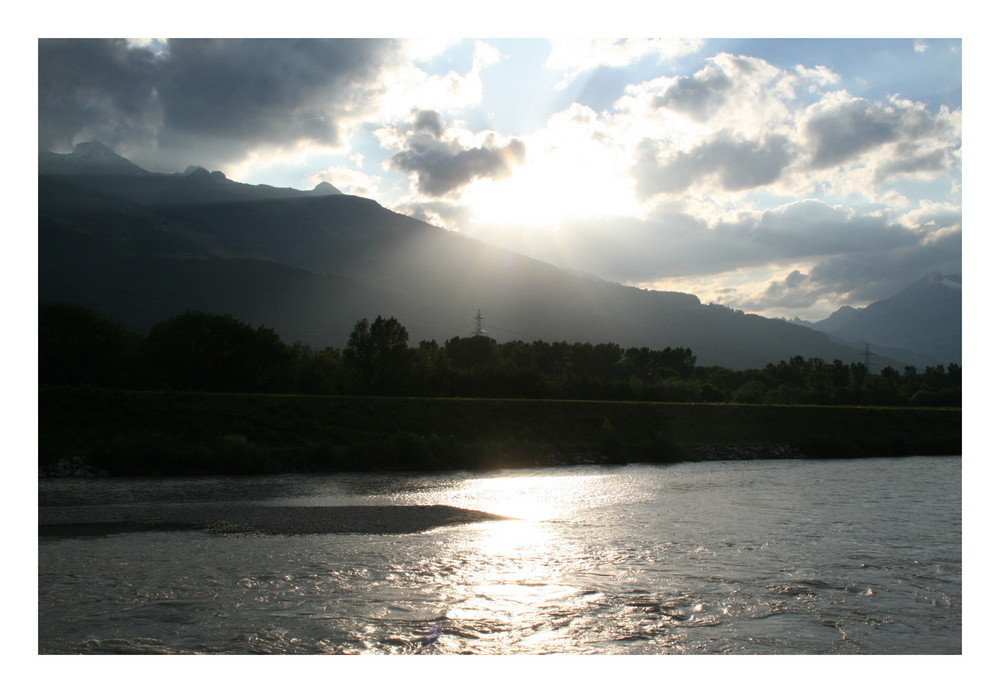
(559,180)
(529,497)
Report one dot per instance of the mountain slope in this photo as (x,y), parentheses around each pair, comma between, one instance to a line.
(924,319)
(140,247)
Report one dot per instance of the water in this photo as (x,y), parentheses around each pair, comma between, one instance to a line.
(841,556)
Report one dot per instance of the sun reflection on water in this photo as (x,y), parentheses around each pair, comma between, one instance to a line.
(529,497)
(519,583)
(519,572)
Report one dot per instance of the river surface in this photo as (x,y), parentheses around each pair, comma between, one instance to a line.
(775,557)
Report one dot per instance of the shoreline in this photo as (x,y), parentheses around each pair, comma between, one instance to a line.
(239,518)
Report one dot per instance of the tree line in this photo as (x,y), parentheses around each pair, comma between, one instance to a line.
(219,353)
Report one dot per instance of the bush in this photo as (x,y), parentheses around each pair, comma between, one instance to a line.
(145,453)
(234,454)
(407,451)
(142,453)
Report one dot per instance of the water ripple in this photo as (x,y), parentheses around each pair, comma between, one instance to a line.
(707,558)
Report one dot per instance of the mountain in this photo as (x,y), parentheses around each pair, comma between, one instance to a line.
(140,247)
(87,159)
(325,188)
(921,325)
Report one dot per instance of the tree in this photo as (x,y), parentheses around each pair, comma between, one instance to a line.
(79,346)
(201,351)
(750,392)
(377,355)
(318,372)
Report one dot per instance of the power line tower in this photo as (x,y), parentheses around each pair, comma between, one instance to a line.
(479,332)
(868,353)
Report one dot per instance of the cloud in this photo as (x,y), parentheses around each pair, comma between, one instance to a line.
(734,164)
(741,124)
(856,275)
(442,213)
(790,259)
(405,85)
(685,175)
(851,128)
(743,94)
(866,277)
(575,56)
(348,180)
(839,129)
(676,244)
(441,162)
(95,89)
(794,291)
(698,96)
(221,98)
(265,90)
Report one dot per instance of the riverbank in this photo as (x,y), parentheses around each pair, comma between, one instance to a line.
(133,433)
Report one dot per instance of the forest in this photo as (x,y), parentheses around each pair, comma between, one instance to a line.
(203,352)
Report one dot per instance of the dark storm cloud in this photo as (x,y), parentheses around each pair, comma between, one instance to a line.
(236,94)
(270,90)
(444,165)
(739,164)
(98,87)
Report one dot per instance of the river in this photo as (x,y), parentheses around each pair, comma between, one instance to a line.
(773,557)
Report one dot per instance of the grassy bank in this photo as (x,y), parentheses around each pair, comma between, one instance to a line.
(128,432)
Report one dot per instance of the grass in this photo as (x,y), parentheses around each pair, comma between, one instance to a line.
(182,432)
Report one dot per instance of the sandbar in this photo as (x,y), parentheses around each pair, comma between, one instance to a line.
(257,519)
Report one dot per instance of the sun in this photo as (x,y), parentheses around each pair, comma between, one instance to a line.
(555,183)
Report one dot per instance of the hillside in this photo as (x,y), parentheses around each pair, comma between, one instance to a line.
(921,324)
(140,247)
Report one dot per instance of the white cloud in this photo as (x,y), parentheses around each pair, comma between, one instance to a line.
(348,180)
(744,95)
(405,85)
(703,153)
(741,124)
(574,56)
(421,50)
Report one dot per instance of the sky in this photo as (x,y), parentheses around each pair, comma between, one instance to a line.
(783,177)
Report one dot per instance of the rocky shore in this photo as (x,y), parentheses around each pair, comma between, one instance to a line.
(69,467)
(748,452)
(258,519)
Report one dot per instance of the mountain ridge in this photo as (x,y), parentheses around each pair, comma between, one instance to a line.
(141,247)
(921,323)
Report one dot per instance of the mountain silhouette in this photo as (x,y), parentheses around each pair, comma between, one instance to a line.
(921,324)
(140,247)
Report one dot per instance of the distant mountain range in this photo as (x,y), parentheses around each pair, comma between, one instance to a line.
(139,247)
(921,324)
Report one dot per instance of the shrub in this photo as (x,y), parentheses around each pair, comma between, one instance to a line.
(141,453)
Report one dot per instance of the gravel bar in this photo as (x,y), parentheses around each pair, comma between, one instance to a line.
(257,519)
